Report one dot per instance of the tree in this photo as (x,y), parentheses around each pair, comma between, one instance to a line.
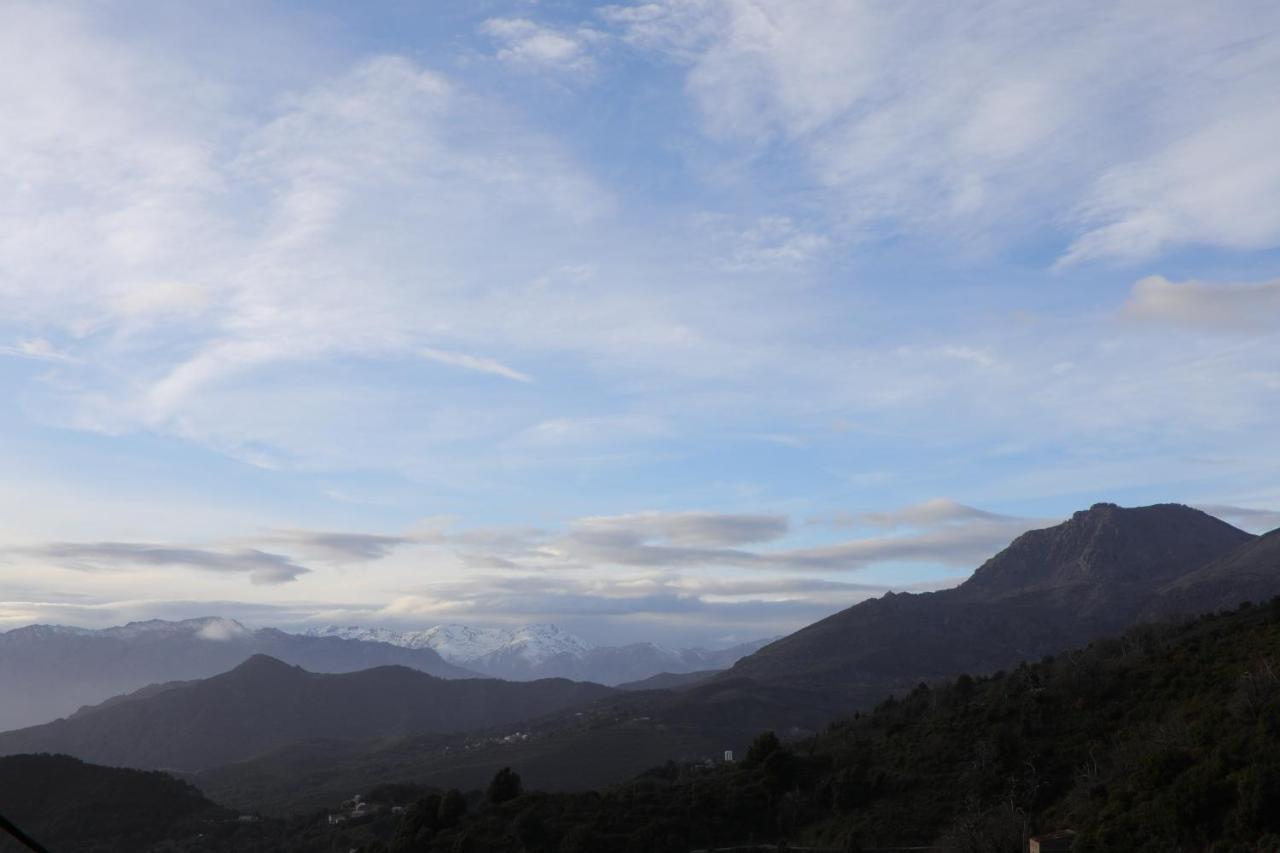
(417,826)
(505,786)
(765,744)
(452,807)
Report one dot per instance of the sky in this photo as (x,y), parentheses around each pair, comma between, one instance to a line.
(690,321)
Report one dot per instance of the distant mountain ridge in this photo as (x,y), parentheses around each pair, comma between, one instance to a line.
(48,671)
(265,704)
(535,644)
(546,651)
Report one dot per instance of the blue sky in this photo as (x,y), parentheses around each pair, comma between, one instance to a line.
(690,321)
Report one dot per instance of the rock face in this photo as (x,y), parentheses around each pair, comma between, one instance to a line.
(546,651)
(48,671)
(265,703)
(1101,556)
(1093,575)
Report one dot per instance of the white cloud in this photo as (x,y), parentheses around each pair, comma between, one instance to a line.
(973,355)
(577,433)
(338,546)
(940,532)
(1140,126)
(769,243)
(162,298)
(37,349)
(476,363)
(930,513)
(527,43)
(1250,518)
(961,545)
(355,219)
(1212,306)
(1214,186)
(691,529)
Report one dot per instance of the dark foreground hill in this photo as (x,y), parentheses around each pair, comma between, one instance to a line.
(264,704)
(48,671)
(1165,740)
(72,807)
(69,806)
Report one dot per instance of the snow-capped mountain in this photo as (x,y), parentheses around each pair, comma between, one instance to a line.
(544,651)
(464,645)
(48,671)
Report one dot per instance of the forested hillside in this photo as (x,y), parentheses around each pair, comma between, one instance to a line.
(1167,739)
(73,807)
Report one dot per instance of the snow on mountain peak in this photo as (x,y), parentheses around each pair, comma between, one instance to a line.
(463,644)
(215,628)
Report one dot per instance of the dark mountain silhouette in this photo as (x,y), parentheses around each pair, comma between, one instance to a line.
(49,671)
(265,703)
(71,806)
(1102,551)
(1095,574)
(670,680)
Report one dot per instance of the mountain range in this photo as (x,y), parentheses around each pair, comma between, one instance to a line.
(547,651)
(264,704)
(1160,739)
(298,735)
(48,671)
